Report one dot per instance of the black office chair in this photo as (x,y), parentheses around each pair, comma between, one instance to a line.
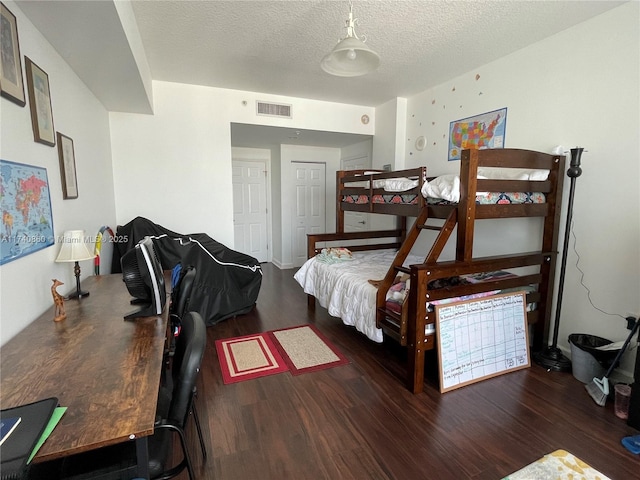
(181,295)
(187,359)
(175,399)
(118,461)
(180,298)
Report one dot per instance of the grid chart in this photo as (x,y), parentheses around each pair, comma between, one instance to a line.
(482,338)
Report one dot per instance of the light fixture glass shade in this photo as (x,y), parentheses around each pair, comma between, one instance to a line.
(74,248)
(350,57)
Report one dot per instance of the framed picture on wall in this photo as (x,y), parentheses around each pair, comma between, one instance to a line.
(67,167)
(11,84)
(40,104)
(482,131)
(20,234)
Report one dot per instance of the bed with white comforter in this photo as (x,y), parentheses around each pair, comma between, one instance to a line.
(343,288)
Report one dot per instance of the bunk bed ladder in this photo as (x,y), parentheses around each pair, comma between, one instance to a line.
(395,324)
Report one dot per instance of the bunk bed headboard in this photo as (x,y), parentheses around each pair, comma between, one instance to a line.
(369,187)
(512,158)
(342,176)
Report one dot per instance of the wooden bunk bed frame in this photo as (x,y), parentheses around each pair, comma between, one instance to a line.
(408,328)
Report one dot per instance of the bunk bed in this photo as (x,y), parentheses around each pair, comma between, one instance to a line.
(480,191)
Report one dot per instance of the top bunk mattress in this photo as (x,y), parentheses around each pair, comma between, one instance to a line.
(445,190)
(487,198)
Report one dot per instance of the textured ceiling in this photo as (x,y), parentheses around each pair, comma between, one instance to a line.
(276,46)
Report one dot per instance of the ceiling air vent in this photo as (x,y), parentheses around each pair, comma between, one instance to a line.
(273,109)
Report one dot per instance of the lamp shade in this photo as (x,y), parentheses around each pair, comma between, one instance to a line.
(350,58)
(74,248)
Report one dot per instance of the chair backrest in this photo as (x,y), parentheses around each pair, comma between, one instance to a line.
(190,347)
(182,294)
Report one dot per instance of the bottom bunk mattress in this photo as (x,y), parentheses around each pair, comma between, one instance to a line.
(342,286)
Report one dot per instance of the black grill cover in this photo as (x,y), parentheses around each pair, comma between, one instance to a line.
(227,282)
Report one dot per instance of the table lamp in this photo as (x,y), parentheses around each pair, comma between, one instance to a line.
(74,249)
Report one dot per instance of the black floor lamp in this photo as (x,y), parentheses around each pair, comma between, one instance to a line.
(552,357)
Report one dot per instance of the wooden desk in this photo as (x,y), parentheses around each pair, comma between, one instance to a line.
(105,370)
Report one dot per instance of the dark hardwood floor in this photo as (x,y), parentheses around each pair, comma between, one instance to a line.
(360,422)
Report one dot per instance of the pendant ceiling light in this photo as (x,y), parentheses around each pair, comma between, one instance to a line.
(350,57)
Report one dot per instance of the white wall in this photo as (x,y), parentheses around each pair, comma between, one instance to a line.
(577,88)
(388,143)
(174,167)
(382,149)
(276,207)
(357,150)
(25,283)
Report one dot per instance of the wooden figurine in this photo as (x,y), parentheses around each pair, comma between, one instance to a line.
(58,301)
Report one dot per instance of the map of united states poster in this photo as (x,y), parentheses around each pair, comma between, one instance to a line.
(27,219)
(479,132)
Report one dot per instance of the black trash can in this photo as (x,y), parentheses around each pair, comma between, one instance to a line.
(587,361)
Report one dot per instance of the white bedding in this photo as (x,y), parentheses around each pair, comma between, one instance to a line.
(343,288)
(393,185)
(447,187)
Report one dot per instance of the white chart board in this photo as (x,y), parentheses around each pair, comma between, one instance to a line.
(481,338)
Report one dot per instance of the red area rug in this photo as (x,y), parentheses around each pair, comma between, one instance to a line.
(300,349)
(305,349)
(248,357)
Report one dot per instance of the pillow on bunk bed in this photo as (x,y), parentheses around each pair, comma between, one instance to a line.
(334,255)
(446,187)
(494,173)
(360,184)
(395,184)
(401,184)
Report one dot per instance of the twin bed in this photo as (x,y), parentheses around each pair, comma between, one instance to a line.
(386,285)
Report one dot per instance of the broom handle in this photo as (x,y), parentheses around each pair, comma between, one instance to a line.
(624,347)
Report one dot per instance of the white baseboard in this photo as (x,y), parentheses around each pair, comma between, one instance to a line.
(282,266)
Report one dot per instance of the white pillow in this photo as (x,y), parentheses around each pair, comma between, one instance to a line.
(364,184)
(395,184)
(446,187)
(512,174)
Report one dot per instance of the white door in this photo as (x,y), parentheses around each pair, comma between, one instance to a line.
(356,221)
(309,209)
(250,208)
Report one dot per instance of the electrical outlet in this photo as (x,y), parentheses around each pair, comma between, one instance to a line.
(631,320)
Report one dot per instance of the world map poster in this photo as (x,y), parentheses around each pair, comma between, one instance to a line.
(482,131)
(27,219)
